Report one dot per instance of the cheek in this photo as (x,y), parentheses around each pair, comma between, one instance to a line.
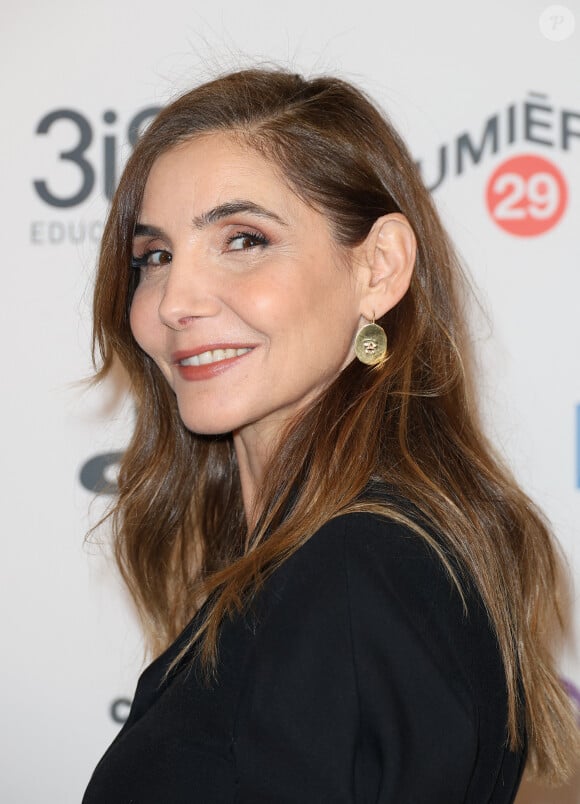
(148,333)
(141,320)
(265,304)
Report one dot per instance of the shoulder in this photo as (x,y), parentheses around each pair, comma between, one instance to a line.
(367,553)
(387,589)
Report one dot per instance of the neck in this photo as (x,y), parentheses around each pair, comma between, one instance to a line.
(253,450)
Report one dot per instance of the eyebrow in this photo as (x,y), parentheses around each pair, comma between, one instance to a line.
(143,229)
(234,208)
(213,215)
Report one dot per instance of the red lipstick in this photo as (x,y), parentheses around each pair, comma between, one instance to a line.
(217,363)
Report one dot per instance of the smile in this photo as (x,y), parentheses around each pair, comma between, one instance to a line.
(212,356)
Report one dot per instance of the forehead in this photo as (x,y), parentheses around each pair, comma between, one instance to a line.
(212,167)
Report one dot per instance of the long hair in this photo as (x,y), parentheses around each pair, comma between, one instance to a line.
(179,527)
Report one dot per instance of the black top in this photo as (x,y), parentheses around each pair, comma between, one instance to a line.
(356,677)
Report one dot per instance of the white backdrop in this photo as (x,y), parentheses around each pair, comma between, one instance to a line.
(471,88)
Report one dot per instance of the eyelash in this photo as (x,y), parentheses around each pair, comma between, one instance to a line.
(258,238)
(142,261)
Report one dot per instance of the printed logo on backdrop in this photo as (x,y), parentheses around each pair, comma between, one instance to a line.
(99,474)
(84,164)
(119,710)
(526,194)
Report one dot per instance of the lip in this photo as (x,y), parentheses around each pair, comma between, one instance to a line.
(208,370)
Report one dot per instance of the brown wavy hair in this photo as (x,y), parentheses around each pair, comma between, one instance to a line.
(179,527)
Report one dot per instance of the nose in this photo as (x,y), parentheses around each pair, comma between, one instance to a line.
(188,293)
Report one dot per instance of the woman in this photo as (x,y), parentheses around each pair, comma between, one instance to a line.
(346,594)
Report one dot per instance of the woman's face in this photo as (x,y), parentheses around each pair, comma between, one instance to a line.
(244,300)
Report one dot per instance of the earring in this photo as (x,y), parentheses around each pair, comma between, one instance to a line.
(370,345)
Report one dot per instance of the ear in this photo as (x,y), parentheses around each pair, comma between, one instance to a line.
(388,258)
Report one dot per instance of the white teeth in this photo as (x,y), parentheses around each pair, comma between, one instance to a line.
(213,356)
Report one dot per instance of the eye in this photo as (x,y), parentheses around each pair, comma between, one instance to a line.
(151,259)
(243,241)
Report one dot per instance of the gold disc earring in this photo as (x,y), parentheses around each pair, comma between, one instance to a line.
(370,345)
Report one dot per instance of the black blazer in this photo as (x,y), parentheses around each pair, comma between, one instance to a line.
(356,677)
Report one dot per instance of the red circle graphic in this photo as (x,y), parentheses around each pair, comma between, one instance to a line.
(526,195)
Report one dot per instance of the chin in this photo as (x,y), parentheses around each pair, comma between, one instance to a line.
(206,428)
(208,423)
